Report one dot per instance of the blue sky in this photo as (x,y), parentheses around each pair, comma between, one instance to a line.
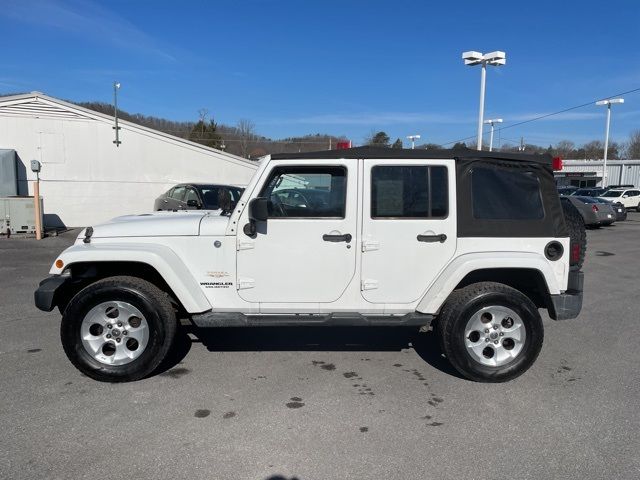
(339,67)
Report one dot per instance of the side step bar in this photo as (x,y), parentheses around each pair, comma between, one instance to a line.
(234,319)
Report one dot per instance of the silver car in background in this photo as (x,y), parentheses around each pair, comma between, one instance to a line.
(196,196)
(594,214)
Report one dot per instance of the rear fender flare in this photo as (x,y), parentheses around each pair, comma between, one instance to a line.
(458,269)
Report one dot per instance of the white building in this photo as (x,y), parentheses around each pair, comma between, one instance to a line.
(85,177)
(588,173)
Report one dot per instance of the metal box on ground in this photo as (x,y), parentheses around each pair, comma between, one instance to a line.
(8,173)
(17,214)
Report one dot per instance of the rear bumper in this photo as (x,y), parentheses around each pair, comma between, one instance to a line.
(45,295)
(567,305)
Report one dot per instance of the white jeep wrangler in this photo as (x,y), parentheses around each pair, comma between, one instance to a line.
(472,243)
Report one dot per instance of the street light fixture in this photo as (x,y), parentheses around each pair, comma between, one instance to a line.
(608,103)
(495,59)
(413,139)
(492,122)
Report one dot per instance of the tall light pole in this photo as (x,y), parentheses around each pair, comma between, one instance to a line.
(495,59)
(606,135)
(413,140)
(116,87)
(492,122)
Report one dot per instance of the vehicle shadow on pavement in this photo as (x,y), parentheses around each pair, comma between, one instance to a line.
(354,339)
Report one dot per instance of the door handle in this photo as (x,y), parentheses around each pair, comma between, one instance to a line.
(337,238)
(432,238)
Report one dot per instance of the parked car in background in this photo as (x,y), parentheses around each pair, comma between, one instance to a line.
(627,185)
(618,208)
(630,198)
(594,214)
(589,192)
(199,196)
(562,191)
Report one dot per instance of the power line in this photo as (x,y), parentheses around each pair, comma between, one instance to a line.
(547,115)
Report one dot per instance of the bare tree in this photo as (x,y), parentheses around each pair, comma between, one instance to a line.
(564,148)
(633,145)
(245,129)
(203,113)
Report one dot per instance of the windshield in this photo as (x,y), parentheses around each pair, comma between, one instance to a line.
(220,196)
(613,193)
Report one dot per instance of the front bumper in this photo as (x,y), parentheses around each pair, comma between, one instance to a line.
(48,293)
(567,305)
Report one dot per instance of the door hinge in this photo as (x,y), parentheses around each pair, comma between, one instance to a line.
(244,283)
(370,245)
(244,245)
(369,284)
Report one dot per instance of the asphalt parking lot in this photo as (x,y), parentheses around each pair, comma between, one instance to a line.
(326,403)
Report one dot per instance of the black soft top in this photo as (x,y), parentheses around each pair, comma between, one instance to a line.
(405,153)
(492,165)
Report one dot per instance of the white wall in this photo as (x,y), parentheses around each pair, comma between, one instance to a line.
(86,179)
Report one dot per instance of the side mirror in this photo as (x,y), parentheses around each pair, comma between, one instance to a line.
(193,203)
(625,196)
(258,209)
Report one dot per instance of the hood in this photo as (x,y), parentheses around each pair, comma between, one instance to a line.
(157,224)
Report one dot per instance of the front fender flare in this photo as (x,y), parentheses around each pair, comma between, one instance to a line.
(454,272)
(164,260)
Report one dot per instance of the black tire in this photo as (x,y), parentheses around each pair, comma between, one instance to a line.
(152,302)
(638,208)
(577,232)
(462,305)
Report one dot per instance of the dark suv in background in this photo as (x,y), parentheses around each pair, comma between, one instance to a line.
(194,196)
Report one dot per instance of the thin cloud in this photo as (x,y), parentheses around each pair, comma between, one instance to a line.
(86,20)
(379,118)
(522,117)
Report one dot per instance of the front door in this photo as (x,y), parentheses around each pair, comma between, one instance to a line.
(408,229)
(306,251)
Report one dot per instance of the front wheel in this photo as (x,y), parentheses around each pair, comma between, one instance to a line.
(490,332)
(118,329)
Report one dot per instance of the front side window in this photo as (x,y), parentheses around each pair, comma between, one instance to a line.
(191,195)
(178,193)
(500,194)
(402,191)
(306,192)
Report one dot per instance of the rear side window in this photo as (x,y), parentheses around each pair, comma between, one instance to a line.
(505,195)
(409,191)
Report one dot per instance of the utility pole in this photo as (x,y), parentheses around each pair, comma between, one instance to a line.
(116,87)
(606,135)
(472,58)
(413,139)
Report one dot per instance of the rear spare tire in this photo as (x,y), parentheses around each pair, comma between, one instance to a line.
(577,234)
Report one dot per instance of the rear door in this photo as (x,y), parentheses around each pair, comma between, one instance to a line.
(408,229)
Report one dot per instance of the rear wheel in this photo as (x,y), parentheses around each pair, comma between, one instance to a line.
(118,329)
(490,332)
